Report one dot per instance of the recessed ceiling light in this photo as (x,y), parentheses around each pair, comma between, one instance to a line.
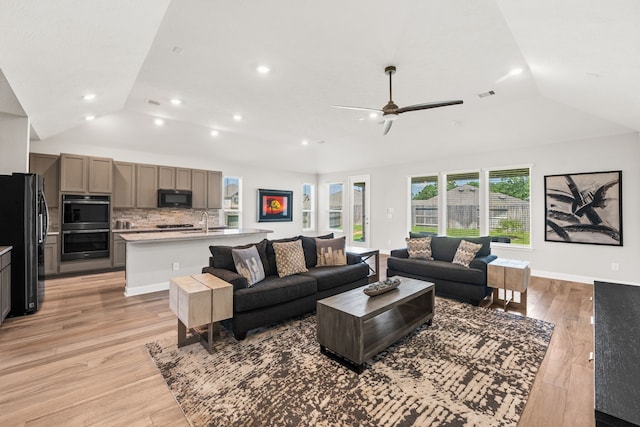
(214,132)
(158,122)
(176,101)
(305,142)
(515,71)
(263,69)
(177,49)
(237,117)
(89,118)
(373,115)
(89,96)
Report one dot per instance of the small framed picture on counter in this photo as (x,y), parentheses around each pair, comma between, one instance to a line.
(274,205)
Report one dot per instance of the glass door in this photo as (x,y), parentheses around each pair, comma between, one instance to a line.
(359,200)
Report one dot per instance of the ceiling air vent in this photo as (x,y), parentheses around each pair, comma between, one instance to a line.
(485,94)
(151,101)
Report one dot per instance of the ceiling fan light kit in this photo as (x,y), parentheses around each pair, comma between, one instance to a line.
(391,111)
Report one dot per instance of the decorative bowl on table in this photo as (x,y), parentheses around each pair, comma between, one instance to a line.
(377,288)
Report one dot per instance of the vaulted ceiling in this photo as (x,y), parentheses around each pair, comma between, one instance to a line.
(579,65)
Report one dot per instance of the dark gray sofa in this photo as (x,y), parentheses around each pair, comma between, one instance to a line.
(275,298)
(451,280)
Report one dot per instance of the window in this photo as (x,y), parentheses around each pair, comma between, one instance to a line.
(335,206)
(424,204)
(509,206)
(308,207)
(231,202)
(463,204)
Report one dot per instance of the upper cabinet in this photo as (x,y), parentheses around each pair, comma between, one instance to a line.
(146,186)
(199,189)
(48,166)
(124,185)
(84,174)
(170,178)
(214,189)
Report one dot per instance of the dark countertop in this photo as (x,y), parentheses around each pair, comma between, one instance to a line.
(5,249)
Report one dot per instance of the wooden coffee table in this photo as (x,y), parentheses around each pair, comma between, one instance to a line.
(353,327)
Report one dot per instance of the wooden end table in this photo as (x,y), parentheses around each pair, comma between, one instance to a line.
(198,300)
(366,254)
(510,276)
(353,327)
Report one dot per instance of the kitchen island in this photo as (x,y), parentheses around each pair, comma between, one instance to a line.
(154,258)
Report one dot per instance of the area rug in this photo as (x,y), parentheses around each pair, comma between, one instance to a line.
(472,367)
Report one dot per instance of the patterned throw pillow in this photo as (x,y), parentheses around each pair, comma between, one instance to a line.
(466,253)
(248,264)
(289,258)
(331,252)
(419,248)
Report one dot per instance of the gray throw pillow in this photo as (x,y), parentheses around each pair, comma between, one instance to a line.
(331,252)
(419,248)
(248,264)
(466,253)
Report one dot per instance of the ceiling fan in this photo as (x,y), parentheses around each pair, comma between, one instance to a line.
(391,111)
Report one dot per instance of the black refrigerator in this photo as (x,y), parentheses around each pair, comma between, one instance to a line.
(24,222)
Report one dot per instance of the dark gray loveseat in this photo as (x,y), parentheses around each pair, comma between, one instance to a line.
(275,298)
(452,280)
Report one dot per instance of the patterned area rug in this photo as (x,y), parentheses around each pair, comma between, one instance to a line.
(472,367)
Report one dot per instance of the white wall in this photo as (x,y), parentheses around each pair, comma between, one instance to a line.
(579,262)
(14,141)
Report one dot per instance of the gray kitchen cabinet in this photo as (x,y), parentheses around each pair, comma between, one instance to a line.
(183,179)
(199,189)
(51,263)
(100,175)
(85,174)
(214,190)
(166,177)
(119,247)
(48,166)
(5,285)
(171,178)
(124,185)
(146,186)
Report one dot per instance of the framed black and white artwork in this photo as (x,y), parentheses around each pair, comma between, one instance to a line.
(584,208)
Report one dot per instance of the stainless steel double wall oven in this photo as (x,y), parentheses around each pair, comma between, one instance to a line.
(85,226)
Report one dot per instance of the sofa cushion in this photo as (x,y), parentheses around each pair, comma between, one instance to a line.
(248,264)
(273,290)
(466,253)
(336,276)
(445,248)
(223,257)
(419,248)
(437,270)
(289,258)
(331,252)
(270,267)
(309,248)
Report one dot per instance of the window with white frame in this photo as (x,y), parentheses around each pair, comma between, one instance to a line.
(336,193)
(308,207)
(463,204)
(424,204)
(510,206)
(232,201)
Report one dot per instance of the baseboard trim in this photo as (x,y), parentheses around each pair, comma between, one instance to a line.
(575,278)
(147,289)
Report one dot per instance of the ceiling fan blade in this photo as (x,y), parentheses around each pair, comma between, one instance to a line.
(377,110)
(428,105)
(387,126)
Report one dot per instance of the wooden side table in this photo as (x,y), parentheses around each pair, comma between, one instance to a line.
(201,299)
(510,276)
(366,254)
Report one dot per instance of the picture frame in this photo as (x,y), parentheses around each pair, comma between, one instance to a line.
(275,205)
(584,208)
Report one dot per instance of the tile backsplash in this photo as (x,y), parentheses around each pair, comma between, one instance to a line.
(144,218)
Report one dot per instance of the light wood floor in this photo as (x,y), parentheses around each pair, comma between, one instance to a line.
(81,360)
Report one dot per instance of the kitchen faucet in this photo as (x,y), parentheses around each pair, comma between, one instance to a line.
(205,215)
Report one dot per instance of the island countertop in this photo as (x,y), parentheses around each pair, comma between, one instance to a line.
(154,237)
(153,258)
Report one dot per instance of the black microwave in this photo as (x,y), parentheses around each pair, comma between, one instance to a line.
(174,198)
